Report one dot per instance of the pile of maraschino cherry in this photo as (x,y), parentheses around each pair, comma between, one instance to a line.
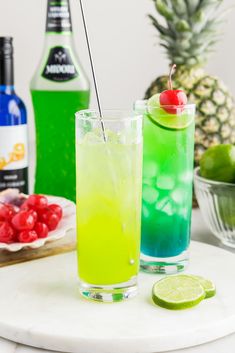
(33,219)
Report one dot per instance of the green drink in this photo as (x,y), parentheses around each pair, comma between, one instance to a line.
(108,204)
(59,88)
(55,134)
(167,188)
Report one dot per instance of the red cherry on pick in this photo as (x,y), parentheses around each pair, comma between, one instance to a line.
(176,98)
(171,100)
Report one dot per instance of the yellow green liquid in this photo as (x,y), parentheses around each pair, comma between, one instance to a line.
(108,211)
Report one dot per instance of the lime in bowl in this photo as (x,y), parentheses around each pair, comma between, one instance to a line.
(216,200)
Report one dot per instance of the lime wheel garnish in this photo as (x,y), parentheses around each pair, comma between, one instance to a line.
(160,117)
(167,109)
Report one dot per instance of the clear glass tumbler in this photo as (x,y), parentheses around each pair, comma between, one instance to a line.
(109,171)
(216,200)
(167,186)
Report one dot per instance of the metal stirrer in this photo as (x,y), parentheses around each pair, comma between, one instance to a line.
(93,70)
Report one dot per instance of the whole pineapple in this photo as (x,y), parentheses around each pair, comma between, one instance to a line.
(188,35)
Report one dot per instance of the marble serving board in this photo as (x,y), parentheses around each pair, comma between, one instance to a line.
(40,306)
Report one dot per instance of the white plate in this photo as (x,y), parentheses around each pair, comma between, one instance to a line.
(67,223)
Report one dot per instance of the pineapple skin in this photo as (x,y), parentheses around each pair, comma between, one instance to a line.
(215,109)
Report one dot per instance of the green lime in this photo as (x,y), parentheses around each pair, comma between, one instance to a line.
(162,118)
(218,163)
(178,292)
(208,286)
(154,101)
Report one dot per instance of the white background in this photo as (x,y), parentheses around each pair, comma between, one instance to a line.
(125,46)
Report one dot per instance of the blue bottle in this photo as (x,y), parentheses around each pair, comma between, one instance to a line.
(13,125)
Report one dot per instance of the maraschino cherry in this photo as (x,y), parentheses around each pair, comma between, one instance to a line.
(172,97)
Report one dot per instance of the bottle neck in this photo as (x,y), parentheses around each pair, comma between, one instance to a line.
(52,40)
(6,75)
(58,17)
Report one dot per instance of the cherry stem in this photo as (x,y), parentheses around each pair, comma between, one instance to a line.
(170,86)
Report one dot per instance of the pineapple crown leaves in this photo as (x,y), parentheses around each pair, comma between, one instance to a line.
(190,29)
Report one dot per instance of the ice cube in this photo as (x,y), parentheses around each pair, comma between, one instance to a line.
(184,212)
(149,182)
(187,177)
(165,182)
(149,170)
(150,194)
(162,203)
(93,138)
(128,135)
(168,208)
(145,211)
(112,136)
(178,195)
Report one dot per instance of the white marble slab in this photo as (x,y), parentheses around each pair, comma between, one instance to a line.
(223,345)
(40,306)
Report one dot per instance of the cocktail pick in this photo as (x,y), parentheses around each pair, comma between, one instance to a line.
(173,68)
(93,70)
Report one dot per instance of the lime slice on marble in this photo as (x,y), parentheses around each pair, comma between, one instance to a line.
(178,292)
(163,119)
(207,284)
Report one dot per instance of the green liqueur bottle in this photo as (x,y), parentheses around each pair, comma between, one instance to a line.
(59,88)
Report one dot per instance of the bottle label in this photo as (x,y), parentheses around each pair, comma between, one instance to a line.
(58,16)
(13,157)
(59,66)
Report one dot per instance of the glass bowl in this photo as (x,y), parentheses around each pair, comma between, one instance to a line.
(217,203)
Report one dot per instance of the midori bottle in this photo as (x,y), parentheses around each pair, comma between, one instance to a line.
(59,88)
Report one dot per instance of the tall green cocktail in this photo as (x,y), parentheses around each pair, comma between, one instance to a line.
(109,170)
(167,187)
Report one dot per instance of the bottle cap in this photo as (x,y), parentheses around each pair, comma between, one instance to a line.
(6,47)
